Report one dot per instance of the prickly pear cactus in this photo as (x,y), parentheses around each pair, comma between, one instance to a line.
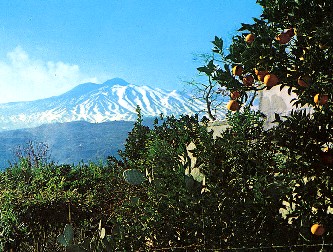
(101,242)
(66,238)
(133,176)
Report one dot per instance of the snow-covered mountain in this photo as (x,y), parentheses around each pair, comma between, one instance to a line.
(113,100)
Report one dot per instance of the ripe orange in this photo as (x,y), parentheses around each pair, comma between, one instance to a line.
(237,70)
(290,32)
(304,81)
(317,229)
(261,77)
(233,105)
(249,38)
(235,95)
(283,38)
(256,71)
(271,80)
(320,99)
(260,74)
(248,80)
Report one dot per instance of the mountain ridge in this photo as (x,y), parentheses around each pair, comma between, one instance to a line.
(113,100)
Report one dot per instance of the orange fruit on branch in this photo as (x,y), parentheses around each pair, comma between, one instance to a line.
(256,71)
(261,77)
(237,70)
(304,81)
(249,38)
(290,32)
(320,99)
(233,105)
(248,80)
(271,80)
(235,95)
(283,38)
(317,229)
(260,74)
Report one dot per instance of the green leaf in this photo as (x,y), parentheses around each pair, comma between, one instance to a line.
(218,43)
(135,200)
(209,69)
(107,242)
(202,69)
(61,239)
(211,65)
(226,67)
(245,27)
(85,244)
(69,234)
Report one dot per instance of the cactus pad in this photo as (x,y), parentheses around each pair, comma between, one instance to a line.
(133,176)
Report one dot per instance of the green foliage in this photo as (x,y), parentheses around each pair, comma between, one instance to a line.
(179,187)
(99,242)
(247,187)
(70,194)
(135,142)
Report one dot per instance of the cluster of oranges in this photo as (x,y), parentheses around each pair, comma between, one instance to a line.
(306,81)
(283,38)
(269,79)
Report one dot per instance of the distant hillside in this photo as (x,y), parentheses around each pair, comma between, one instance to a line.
(70,142)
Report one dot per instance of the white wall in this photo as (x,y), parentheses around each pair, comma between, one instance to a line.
(275,101)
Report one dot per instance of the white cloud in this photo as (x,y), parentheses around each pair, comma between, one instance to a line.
(23,78)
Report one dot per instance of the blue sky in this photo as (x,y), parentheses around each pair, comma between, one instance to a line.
(48,47)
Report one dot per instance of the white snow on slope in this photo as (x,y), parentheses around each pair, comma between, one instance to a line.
(95,103)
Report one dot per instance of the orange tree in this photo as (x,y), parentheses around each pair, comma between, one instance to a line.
(288,46)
